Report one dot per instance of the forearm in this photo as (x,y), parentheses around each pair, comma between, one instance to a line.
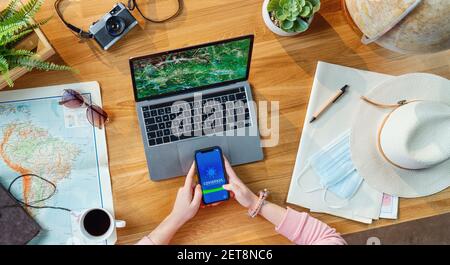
(299,227)
(162,234)
(273,213)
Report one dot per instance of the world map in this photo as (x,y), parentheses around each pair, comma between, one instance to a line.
(38,136)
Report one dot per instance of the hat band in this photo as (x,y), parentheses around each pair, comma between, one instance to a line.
(387,106)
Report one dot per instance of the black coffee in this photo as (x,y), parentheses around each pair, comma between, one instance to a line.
(96,222)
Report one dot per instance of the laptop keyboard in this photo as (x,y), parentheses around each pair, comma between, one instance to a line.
(234,114)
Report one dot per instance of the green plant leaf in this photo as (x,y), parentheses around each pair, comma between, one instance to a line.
(4,70)
(300,25)
(306,12)
(15,38)
(291,10)
(273,5)
(293,16)
(19,52)
(10,29)
(4,66)
(280,15)
(315,4)
(292,2)
(9,32)
(287,24)
(9,10)
(284,2)
(290,30)
(308,4)
(33,63)
(15,23)
(316,8)
(8,79)
(25,12)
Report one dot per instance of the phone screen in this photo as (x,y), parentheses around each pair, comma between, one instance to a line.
(211,174)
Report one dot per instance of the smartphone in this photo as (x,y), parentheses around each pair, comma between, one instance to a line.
(211,174)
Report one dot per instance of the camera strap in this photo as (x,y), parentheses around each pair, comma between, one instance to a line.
(132,4)
(80,33)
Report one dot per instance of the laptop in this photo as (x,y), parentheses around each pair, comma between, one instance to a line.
(194,98)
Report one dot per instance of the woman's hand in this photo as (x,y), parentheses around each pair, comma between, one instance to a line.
(241,192)
(188,199)
(186,206)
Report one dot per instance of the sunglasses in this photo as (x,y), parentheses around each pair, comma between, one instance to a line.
(95,115)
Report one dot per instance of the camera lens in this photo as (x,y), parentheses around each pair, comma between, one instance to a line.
(115,26)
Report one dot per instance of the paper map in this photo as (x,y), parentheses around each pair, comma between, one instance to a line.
(39,136)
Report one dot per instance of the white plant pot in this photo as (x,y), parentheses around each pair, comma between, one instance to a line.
(272,26)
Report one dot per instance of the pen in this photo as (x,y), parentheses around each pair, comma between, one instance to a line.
(330,102)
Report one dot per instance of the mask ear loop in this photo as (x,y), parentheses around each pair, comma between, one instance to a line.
(325,191)
(324,198)
(299,177)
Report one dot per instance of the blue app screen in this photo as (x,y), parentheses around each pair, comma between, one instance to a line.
(211,175)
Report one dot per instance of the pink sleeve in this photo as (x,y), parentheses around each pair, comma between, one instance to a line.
(303,229)
(145,241)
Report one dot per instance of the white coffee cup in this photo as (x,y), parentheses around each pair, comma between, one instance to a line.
(97,224)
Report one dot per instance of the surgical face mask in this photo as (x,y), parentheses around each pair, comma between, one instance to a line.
(337,173)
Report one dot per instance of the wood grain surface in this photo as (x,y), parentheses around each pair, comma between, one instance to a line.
(282,70)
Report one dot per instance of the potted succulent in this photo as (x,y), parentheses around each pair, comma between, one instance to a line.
(23,46)
(289,17)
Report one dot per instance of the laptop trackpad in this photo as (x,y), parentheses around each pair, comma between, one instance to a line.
(186,150)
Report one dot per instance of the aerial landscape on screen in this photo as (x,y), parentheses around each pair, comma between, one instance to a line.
(172,72)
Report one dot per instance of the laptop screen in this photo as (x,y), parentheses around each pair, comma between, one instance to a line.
(191,69)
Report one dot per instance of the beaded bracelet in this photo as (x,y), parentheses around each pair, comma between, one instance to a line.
(253,212)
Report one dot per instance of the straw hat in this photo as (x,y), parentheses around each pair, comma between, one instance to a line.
(400,141)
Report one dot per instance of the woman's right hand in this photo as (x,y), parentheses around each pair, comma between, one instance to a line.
(241,192)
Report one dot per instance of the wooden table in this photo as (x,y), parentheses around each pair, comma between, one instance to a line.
(282,69)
